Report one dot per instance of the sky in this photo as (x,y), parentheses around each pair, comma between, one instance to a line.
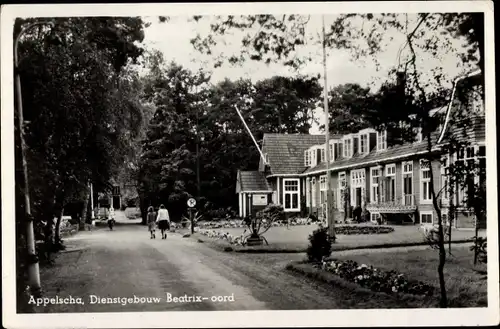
(173,40)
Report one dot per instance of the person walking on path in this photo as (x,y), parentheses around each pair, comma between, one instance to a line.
(151,222)
(111,219)
(163,220)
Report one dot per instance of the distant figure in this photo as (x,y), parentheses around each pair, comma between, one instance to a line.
(357,214)
(163,220)
(111,218)
(151,219)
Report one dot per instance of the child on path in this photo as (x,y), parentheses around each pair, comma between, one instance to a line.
(151,219)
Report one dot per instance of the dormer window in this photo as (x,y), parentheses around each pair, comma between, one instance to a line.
(348,147)
(307,158)
(382,140)
(323,154)
(331,151)
(363,144)
(314,157)
(418,135)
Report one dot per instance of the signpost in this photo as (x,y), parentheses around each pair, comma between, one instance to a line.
(191,204)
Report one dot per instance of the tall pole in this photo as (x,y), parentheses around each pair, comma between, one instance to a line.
(328,213)
(33,266)
(251,136)
(92,215)
(198,188)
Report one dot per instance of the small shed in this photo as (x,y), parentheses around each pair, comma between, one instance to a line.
(254,192)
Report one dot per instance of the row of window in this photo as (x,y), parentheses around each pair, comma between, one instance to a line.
(383,182)
(345,147)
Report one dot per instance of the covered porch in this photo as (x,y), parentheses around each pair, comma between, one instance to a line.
(392,212)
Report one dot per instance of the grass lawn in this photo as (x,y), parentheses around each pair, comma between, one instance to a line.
(296,238)
(465,286)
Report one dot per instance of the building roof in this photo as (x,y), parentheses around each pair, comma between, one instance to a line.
(251,181)
(285,152)
(372,158)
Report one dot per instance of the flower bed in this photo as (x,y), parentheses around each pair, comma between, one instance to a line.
(240,224)
(375,279)
(351,230)
(295,222)
(232,239)
(221,224)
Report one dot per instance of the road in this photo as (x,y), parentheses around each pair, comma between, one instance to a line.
(125,263)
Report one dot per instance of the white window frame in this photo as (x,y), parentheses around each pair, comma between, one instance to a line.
(332,151)
(322,189)
(348,150)
(390,172)
(365,149)
(313,191)
(445,164)
(323,154)
(405,172)
(308,192)
(428,213)
(314,160)
(374,186)
(374,216)
(307,158)
(461,192)
(342,184)
(358,179)
(423,181)
(382,140)
(285,192)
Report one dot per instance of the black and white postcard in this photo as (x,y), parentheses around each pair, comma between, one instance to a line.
(249,165)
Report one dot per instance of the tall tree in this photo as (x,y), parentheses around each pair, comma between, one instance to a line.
(74,108)
(283,104)
(167,174)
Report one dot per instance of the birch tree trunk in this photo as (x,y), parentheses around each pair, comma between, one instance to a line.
(85,211)
(59,211)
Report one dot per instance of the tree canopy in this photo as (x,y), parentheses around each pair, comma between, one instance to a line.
(80,104)
(191,111)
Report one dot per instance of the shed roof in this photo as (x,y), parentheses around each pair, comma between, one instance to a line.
(252,181)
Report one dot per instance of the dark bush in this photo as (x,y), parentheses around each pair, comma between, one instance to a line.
(320,245)
(313,218)
(480,249)
(220,213)
(272,212)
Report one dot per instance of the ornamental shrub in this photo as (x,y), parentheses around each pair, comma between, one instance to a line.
(272,212)
(320,245)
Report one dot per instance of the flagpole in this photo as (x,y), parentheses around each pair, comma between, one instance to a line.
(328,213)
(250,133)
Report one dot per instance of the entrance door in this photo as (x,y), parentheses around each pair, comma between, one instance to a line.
(116,202)
(358,196)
